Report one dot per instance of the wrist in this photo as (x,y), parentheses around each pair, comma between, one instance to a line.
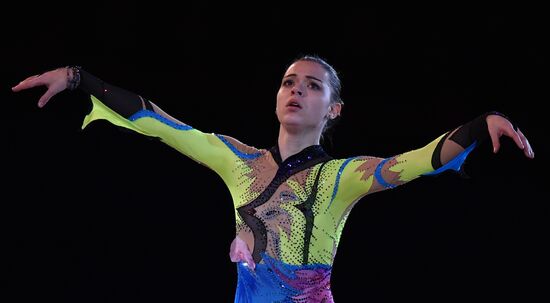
(495,113)
(73,77)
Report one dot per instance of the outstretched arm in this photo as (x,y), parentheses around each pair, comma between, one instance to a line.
(364,175)
(450,150)
(129,110)
(123,102)
(458,142)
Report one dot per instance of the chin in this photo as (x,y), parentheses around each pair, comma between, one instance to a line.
(292,122)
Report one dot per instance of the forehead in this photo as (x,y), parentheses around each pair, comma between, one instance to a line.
(308,68)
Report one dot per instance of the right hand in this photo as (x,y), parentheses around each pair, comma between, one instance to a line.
(55,80)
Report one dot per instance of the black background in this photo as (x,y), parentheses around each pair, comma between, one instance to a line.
(104,215)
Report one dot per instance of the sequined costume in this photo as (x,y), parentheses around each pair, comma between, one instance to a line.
(289,213)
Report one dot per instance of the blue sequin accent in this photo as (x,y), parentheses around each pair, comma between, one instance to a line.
(337,182)
(266,283)
(455,163)
(378,174)
(237,152)
(261,285)
(147,113)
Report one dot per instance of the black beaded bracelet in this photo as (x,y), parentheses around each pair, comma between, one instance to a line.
(73,81)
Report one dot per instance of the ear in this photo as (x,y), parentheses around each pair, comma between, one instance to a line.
(334,110)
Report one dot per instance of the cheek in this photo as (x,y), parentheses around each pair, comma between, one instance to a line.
(323,104)
(317,111)
(327,98)
(279,97)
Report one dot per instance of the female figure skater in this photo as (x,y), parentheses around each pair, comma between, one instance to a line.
(292,200)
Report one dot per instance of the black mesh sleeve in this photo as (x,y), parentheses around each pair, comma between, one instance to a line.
(475,130)
(120,100)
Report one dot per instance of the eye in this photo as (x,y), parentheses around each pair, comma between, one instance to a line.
(314,86)
(288,82)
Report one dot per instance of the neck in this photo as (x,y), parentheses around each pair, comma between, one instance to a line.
(292,142)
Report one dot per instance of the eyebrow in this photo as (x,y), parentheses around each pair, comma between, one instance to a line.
(310,77)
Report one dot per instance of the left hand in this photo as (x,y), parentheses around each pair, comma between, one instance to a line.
(239,252)
(498,126)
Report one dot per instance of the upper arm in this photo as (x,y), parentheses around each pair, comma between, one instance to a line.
(214,151)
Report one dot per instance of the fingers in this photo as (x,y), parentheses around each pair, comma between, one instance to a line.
(31,81)
(527,150)
(510,132)
(45,98)
(495,139)
(518,137)
(249,261)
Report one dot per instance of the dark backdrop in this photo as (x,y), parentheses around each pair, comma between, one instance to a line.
(104,215)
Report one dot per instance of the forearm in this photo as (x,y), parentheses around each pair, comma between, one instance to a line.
(123,102)
(463,137)
(449,151)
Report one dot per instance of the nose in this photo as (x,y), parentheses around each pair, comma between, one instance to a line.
(297,91)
